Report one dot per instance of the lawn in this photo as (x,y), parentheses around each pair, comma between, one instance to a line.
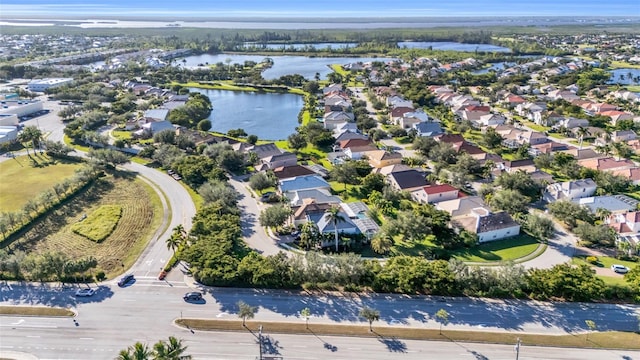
(502,250)
(422,248)
(99,224)
(35,311)
(121,134)
(20,181)
(606,262)
(142,214)
(634,88)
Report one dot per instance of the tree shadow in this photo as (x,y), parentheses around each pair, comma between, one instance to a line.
(49,294)
(270,345)
(326,345)
(393,344)
(477,355)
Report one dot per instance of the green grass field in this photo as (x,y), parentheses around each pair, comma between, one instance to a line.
(99,224)
(20,181)
(606,262)
(503,250)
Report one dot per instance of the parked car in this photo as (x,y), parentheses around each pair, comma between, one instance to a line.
(192,296)
(85,292)
(162,275)
(125,280)
(620,269)
(266,197)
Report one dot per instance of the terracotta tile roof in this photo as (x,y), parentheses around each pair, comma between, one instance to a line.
(437,189)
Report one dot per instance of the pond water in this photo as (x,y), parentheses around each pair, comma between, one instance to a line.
(621,76)
(270,116)
(450,45)
(317,46)
(495,67)
(282,65)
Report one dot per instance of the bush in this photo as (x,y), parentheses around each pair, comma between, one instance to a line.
(101,276)
(592,259)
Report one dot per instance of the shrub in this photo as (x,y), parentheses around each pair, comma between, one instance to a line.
(101,276)
(592,260)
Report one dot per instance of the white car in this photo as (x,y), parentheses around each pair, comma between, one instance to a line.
(620,269)
(85,292)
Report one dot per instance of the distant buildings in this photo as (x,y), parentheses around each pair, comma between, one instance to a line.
(40,85)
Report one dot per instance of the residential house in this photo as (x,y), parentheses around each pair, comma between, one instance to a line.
(632,174)
(547,118)
(327,226)
(616,204)
(410,119)
(474,112)
(526,165)
(358,213)
(333,118)
(627,226)
(309,210)
(490,120)
(345,144)
(516,138)
(287,172)
(461,206)
(572,123)
(435,193)
(407,180)
(607,164)
(382,158)
(278,160)
(582,154)
(488,226)
(358,152)
(303,183)
(150,126)
(570,190)
(616,116)
(397,113)
(547,148)
(319,196)
(541,178)
(395,101)
(529,110)
(332,88)
(623,135)
(386,170)
(428,129)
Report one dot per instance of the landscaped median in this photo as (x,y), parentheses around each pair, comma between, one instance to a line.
(35,311)
(608,340)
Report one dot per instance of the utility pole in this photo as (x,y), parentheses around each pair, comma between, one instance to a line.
(517,348)
(260,340)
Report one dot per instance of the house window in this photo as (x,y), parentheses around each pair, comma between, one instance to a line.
(508,232)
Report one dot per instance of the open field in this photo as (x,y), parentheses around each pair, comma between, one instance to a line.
(20,181)
(141,216)
(34,311)
(616,340)
(99,224)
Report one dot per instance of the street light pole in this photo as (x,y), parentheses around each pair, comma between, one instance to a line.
(260,340)
(517,348)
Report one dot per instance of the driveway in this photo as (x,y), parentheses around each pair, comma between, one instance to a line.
(560,249)
(254,235)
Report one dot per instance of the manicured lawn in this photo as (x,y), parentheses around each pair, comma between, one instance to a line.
(422,248)
(21,181)
(634,88)
(623,65)
(351,194)
(121,134)
(99,224)
(34,311)
(502,250)
(606,262)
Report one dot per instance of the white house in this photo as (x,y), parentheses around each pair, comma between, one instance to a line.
(489,226)
(570,190)
(435,193)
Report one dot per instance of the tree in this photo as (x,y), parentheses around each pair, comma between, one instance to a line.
(569,212)
(582,132)
(510,201)
(138,351)
(297,141)
(309,235)
(591,325)
(373,182)
(246,311)
(345,173)
(32,135)
(260,181)
(491,139)
(442,316)
(214,191)
(110,157)
(252,139)
(521,182)
(170,350)
(370,315)
(540,227)
(382,242)
(275,216)
(204,125)
(334,216)
(176,239)
(57,148)
(306,313)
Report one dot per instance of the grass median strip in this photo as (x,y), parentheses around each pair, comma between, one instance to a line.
(35,311)
(609,340)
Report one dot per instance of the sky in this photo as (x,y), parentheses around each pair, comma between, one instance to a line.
(184,9)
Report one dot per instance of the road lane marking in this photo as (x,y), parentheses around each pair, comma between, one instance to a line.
(33,336)
(86,338)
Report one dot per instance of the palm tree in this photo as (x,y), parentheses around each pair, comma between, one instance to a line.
(370,315)
(582,132)
(170,350)
(246,311)
(138,351)
(334,216)
(309,235)
(30,134)
(604,149)
(176,239)
(382,243)
(603,213)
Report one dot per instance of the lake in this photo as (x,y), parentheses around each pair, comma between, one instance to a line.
(626,80)
(282,65)
(270,116)
(449,45)
(316,46)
